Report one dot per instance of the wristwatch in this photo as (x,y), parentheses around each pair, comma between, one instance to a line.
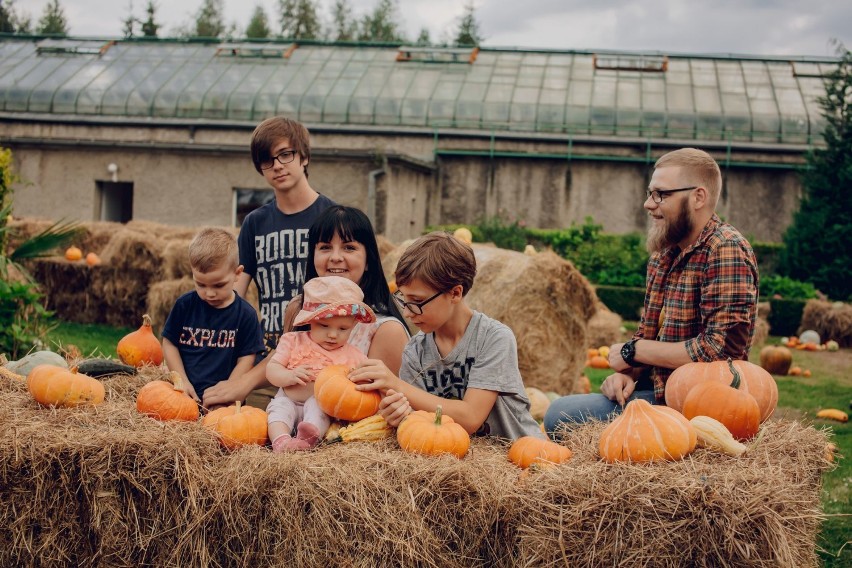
(628,352)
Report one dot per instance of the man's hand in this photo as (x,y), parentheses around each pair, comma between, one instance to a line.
(615,361)
(618,387)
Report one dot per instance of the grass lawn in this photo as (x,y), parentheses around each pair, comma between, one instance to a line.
(830,386)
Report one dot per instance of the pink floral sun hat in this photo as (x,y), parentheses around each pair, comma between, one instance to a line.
(331,296)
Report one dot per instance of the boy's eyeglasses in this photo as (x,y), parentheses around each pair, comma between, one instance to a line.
(657,195)
(283,158)
(415,308)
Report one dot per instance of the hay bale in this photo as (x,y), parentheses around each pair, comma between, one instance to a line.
(544,300)
(761,331)
(162,297)
(108,486)
(68,288)
(176,259)
(385,246)
(604,327)
(832,320)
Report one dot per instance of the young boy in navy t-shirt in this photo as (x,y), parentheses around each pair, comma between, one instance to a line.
(212,334)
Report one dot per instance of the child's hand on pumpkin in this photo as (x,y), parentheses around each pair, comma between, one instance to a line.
(394,407)
(373,374)
(280,376)
(190,390)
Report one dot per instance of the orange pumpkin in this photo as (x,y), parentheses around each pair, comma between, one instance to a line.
(529,450)
(73,254)
(795,371)
(92,259)
(140,347)
(754,380)
(598,362)
(336,395)
(806,373)
(238,425)
(432,434)
(735,408)
(591,352)
(584,385)
(645,433)
(167,400)
(56,386)
(776,359)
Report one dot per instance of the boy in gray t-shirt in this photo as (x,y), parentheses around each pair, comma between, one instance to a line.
(461,360)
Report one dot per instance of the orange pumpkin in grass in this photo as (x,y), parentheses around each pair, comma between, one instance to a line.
(753,379)
(733,407)
(57,386)
(776,359)
(167,400)
(140,347)
(598,362)
(432,434)
(238,425)
(529,450)
(646,433)
(337,396)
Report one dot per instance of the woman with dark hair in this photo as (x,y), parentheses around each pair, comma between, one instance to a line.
(341,242)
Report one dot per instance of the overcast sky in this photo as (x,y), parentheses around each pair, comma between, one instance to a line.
(759,27)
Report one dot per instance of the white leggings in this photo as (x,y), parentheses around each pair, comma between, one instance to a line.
(282,409)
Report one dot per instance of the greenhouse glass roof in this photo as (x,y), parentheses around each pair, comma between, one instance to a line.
(608,94)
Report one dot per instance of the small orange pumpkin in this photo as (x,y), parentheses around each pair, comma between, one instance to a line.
(735,408)
(646,433)
(167,400)
(795,371)
(238,425)
(140,347)
(598,362)
(93,259)
(591,352)
(56,386)
(432,434)
(529,450)
(337,396)
(754,380)
(73,254)
(806,373)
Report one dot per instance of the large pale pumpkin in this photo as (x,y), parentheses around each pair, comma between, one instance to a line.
(55,386)
(539,402)
(754,380)
(733,407)
(167,400)
(528,450)
(238,425)
(646,432)
(432,434)
(140,347)
(776,359)
(337,396)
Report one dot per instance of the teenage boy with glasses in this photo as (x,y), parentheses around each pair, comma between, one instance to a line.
(700,297)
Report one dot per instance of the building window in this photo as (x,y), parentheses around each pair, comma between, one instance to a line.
(247,200)
(114,201)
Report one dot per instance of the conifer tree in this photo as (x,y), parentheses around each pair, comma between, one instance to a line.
(381,24)
(258,26)
(298,19)
(818,241)
(209,21)
(150,25)
(468,33)
(53,20)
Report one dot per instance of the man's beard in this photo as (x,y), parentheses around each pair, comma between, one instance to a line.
(670,233)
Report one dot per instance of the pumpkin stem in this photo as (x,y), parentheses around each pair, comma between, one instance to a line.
(438,413)
(239,405)
(146,320)
(736,382)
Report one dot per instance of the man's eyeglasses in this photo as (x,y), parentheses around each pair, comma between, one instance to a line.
(415,308)
(657,194)
(283,158)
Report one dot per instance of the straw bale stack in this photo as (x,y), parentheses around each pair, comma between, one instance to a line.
(832,320)
(176,259)
(162,297)
(604,327)
(544,300)
(107,486)
(69,288)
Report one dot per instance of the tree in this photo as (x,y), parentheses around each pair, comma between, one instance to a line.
(344,26)
(817,242)
(53,20)
(424,39)
(150,26)
(468,33)
(381,25)
(7,26)
(298,19)
(210,22)
(128,23)
(258,27)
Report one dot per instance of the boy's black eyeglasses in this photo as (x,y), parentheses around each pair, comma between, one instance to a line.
(657,195)
(415,308)
(283,158)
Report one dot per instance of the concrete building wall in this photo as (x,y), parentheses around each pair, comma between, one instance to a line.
(186,174)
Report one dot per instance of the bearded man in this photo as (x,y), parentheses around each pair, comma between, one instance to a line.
(700,296)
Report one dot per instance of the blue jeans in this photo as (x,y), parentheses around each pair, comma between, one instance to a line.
(579,408)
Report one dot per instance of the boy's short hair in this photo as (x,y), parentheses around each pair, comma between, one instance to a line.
(212,248)
(271,131)
(440,261)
